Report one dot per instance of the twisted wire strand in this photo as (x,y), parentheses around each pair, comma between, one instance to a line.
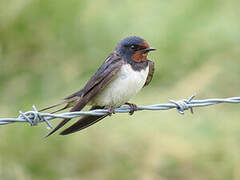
(34,117)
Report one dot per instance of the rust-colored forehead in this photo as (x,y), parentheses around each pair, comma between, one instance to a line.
(144,44)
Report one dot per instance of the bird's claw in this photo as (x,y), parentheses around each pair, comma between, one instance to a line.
(133,108)
(111,111)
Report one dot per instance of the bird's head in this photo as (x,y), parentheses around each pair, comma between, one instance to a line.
(134,48)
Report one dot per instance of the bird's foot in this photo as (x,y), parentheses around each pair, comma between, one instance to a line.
(133,107)
(111,111)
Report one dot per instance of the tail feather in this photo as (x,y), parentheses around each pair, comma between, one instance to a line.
(65,107)
(68,102)
(62,123)
(82,123)
(52,106)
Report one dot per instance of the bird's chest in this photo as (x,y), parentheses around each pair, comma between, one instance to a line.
(125,84)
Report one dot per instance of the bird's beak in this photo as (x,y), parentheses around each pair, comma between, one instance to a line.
(149,49)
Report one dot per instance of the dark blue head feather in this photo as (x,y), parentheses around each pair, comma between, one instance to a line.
(132,40)
(123,46)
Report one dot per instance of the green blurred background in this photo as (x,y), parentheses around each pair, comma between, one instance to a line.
(49,49)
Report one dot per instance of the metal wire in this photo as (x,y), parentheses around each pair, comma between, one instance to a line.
(34,117)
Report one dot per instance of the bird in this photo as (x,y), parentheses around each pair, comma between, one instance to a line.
(121,76)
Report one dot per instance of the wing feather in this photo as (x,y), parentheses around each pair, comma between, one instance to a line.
(103,79)
(97,82)
(150,72)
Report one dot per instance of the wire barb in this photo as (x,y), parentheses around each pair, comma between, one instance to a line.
(34,117)
(38,117)
(183,105)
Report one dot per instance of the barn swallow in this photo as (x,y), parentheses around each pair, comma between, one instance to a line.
(122,75)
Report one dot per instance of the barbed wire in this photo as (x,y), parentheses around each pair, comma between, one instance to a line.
(34,117)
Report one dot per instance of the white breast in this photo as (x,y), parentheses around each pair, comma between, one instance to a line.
(125,85)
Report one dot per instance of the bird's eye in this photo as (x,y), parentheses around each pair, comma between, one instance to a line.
(133,47)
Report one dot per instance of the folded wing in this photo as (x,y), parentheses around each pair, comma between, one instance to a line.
(97,82)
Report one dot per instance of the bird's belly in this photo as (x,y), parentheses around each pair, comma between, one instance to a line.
(124,85)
